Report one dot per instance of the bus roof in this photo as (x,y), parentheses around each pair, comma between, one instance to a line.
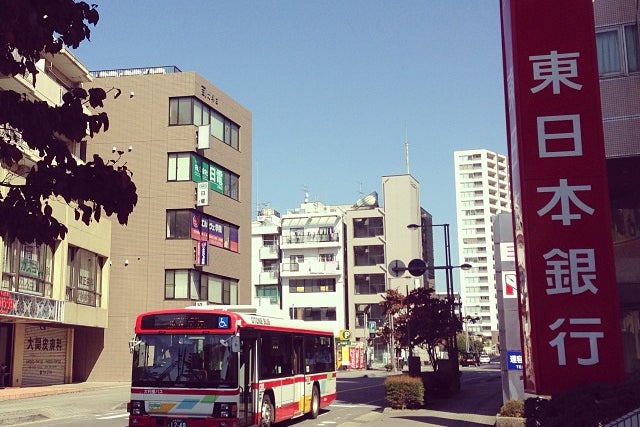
(247,316)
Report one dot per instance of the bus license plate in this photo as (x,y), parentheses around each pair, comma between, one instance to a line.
(177,423)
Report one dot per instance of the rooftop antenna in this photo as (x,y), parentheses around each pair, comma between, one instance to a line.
(406,149)
(306,193)
(360,193)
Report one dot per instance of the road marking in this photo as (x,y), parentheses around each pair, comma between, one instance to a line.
(110,417)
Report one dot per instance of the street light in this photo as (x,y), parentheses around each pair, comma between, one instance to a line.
(452,345)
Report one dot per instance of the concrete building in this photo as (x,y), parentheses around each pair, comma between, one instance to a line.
(188,145)
(482,191)
(52,299)
(334,261)
(619,67)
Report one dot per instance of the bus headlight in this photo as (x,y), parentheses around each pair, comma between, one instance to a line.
(225,410)
(136,407)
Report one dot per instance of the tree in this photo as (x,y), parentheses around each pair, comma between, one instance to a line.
(392,304)
(430,320)
(30,29)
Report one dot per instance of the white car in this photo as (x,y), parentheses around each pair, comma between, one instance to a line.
(484,358)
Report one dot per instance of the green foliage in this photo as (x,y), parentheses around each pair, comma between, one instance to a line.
(29,31)
(404,392)
(419,319)
(585,406)
(512,408)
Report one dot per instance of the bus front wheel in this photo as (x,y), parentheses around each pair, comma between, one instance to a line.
(266,413)
(315,403)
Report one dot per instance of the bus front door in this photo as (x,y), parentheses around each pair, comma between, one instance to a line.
(247,375)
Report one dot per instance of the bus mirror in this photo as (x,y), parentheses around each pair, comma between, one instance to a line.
(133,343)
(235,344)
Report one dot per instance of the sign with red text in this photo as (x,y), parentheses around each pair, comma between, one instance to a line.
(566,275)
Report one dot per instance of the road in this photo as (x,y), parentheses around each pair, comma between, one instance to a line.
(359,395)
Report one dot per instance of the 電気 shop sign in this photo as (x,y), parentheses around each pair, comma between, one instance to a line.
(566,275)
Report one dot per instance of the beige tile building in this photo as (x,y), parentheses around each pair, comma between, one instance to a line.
(619,67)
(51,299)
(188,145)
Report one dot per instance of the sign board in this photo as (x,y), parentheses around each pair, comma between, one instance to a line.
(373,327)
(417,267)
(561,214)
(397,268)
(203,194)
(514,360)
(345,335)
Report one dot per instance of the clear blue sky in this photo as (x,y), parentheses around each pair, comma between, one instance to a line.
(334,86)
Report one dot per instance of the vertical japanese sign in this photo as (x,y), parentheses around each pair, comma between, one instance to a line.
(566,275)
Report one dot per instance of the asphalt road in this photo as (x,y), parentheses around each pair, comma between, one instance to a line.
(360,402)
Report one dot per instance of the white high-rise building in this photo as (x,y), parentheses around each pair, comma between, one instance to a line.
(482,191)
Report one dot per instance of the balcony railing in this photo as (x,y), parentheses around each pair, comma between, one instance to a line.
(311,238)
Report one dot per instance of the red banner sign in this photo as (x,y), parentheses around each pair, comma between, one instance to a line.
(566,275)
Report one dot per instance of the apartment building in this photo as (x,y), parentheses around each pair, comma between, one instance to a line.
(188,145)
(333,261)
(482,191)
(51,299)
(619,68)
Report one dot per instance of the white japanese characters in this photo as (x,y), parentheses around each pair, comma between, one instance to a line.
(568,271)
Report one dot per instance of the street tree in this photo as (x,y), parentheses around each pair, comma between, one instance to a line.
(431,321)
(393,305)
(419,319)
(30,30)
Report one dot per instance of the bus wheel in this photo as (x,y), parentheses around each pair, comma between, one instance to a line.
(315,403)
(266,414)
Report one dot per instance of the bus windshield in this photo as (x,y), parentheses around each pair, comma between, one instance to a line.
(180,360)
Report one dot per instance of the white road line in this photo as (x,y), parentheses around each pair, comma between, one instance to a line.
(110,417)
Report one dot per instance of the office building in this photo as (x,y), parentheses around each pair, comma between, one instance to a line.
(51,298)
(333,262)
(482,191)
(619,68)
(188,145)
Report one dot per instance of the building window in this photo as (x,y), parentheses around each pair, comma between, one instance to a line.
(190,224)
(179,224)
(270,292)
(314,314)
(28,268)
(192,111)
(299,286)
(369,284)
(84,277)
(192,167)
(326,257)
(368,255)
(367,227)
(199,286)
(618,50)
(179,167)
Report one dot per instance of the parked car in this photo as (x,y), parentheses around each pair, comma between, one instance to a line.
(469,359)
(484,358)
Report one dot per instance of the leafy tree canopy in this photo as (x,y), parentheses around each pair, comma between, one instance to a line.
(30,29)
(419,319)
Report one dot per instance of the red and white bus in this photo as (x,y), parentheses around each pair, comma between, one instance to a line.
(227,367)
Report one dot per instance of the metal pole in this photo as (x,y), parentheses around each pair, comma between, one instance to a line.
(392,352)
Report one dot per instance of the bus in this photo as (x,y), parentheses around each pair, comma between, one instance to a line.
(207,366)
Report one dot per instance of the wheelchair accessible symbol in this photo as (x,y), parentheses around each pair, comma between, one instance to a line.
(223,322)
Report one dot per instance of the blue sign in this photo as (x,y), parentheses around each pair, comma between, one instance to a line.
(372,326)
(223,322)
(514,360)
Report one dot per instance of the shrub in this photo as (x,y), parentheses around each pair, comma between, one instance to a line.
(512,408)
(404,392)
(586,405)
